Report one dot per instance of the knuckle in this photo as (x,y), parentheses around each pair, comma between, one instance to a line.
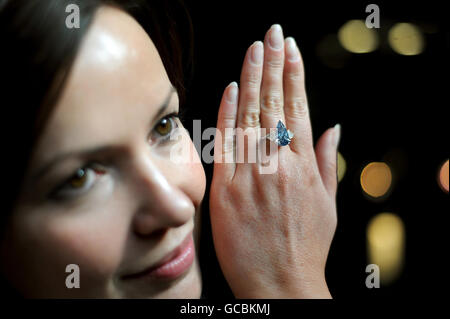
(275,63)
(297,107)
(250,95)
(294,76)
(251,118)
(252,79)
(228,117)
(272,102)
(228,146)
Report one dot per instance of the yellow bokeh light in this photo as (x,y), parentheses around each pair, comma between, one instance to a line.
(443,176)
(355,37)
(342,166)
(386,245)
(376,179)
(406,39)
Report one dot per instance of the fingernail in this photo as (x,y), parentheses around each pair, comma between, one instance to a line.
(232,93)
(292,53)
(257,52)
(276,37)
(337,134)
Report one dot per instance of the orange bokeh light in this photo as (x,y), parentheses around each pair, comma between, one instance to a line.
(376,179)
(443,176)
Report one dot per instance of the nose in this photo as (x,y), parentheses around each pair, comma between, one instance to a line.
(162,205)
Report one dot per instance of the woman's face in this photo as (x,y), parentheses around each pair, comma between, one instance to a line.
(102,191)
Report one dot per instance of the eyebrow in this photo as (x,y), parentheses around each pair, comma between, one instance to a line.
(99,149)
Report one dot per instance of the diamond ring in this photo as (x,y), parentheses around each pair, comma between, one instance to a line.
(281,136)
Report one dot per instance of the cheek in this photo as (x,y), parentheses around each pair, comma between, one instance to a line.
(93,240)
(190,178)
(194,184)
(194,179)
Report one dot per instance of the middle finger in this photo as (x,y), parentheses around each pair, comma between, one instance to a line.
(272,79)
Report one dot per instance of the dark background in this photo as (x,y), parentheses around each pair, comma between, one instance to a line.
(391,107)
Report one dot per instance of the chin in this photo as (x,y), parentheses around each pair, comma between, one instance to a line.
(188,286)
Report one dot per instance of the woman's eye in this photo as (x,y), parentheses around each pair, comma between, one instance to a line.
(81,182)
(80,178)
(165,128)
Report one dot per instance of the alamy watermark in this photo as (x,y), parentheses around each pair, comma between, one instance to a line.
(73,18)
(373,279)
(73,279)
(373,19)
(230,145)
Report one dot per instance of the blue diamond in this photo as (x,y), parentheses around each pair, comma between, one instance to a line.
(283,134)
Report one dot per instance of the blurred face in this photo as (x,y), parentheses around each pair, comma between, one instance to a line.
(101,191)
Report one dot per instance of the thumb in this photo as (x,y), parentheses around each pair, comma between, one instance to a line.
(326,154)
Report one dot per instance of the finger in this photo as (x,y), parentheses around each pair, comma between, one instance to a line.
(248,113)
(224,163)
(326,154)
(272,79)
(296,105)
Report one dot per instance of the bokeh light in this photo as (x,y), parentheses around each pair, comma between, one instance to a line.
(341,166)
(443,176)
(406,39)
(355,37)
(386,245)
(376,179)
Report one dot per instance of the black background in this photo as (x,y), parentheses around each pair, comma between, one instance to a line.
(391,107)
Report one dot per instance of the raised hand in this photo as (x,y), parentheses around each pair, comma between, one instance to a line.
(272,232)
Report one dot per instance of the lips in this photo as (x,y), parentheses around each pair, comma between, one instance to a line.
(173,265)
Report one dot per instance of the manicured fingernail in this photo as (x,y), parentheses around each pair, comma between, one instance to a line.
(292,53)
(276,37)
(337,134)
(257,52)
(232,93)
